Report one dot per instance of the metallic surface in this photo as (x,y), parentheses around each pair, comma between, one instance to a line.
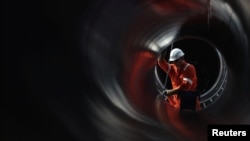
(88,70)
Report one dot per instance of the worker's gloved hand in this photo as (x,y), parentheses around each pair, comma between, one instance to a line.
(163,55)
(166,92)
(170,92)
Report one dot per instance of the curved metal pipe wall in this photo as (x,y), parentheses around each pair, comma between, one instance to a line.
(86,70)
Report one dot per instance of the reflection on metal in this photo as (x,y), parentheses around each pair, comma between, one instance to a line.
(168,37)
(217,89)
(163,37)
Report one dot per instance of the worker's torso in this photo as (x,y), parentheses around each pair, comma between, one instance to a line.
(177,76)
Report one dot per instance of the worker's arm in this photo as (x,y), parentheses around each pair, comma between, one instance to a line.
(162,56)
(172,91)
(162,62)
(189,82)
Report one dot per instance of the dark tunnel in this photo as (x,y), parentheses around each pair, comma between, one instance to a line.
(87,70)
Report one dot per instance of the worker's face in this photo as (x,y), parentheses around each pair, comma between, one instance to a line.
(177,62)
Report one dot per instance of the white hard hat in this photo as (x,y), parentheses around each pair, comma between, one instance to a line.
(176,54)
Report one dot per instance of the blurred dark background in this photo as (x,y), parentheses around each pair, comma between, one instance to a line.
(43,64)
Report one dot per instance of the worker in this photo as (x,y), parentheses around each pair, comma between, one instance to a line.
(182,74)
